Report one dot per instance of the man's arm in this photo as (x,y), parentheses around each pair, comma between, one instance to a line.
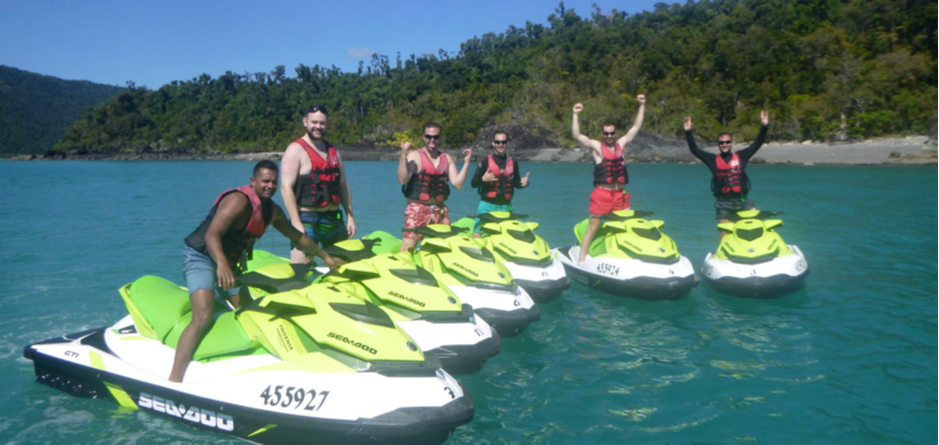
(234,206)
(631,134)
(519,182)
(289,172)
(457,179)
(405,167)
(593,145)
(748,152)
(481,169)
(301,240)
(345,197)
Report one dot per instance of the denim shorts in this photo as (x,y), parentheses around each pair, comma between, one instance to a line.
(199,271)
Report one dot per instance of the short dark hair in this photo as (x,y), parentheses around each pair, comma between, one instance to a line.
(498,132)
(433,125)
(725,133)
(268,164)
(316,109)
(608,124)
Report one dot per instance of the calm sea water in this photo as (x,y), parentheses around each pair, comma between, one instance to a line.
(851,358)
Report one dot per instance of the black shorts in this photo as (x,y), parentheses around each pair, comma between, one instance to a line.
(727,207)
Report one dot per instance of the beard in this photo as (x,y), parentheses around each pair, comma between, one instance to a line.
(313,137)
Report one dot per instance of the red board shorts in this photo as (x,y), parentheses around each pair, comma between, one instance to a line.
(419,215)
(603,201)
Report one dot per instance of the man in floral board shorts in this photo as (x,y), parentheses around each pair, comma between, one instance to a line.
(424,174)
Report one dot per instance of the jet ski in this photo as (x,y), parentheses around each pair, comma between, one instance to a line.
(432,315)
(752,260)
(629,256)
(472,273)
(299,365)
(525,254)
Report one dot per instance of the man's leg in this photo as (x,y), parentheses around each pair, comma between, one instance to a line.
(415,215)
(297,256)
(592,227)
(203,304)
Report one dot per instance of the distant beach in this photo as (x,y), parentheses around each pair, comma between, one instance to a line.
(912,150)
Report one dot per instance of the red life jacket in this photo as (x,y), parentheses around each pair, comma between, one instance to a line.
(612,169)
(429,182)
(234,243)
(504,184)
(730,178)
(321,187)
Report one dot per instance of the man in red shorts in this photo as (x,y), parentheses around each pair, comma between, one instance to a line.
(423,174)
(609,173)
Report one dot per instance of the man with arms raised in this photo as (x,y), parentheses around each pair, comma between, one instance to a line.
(215,249)
(496,178)
(314,185)
(609,173)
(729,182)
(424,174)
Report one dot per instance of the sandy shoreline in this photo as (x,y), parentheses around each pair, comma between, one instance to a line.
(913,150)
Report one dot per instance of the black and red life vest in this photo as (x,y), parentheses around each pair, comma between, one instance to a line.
(234,243)
(429,182)
(612,169)
(504,185)
(730,179)
(321,187)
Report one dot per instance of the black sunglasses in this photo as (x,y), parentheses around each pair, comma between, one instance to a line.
(498,142)
(317,109)
(724,142)
(609,133)
(432,137)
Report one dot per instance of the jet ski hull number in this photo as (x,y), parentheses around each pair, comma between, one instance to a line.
(608,269)
(293,396)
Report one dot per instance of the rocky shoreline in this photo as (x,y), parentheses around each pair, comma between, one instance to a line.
(913,150)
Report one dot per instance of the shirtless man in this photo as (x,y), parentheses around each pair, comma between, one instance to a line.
(314,185)
(609,174)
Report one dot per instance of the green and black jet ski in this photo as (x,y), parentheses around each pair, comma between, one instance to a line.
(526,255)
(472,273)
(311,364)
(752,260)
(432,315)
(631,257)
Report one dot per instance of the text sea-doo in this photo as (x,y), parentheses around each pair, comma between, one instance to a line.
(473,274)
(432,315)
(309,365)
(629,256)
(525,254)
(752,260)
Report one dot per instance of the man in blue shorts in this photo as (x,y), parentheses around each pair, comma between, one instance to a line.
(216,249)
(496,178)
(314,185)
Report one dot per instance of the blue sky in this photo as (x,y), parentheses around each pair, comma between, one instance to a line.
(155,42)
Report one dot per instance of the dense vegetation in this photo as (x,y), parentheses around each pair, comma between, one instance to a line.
(35,110)
(817,65)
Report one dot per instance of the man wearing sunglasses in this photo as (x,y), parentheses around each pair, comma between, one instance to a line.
(423,174)
(729,182)
(496,178)
(609,173)
(314,185)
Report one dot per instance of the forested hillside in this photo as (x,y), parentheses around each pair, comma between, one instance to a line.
(860,67)
(35,110)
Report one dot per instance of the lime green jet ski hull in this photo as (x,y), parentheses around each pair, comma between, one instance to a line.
(286,368)
(631,257)
(752,259)
(525,254)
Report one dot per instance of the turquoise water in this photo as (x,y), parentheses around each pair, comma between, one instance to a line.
(851,358)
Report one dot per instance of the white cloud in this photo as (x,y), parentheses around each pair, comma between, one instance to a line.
(359,53)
